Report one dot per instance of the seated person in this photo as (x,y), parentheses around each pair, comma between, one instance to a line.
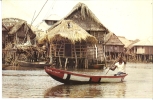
(120,65)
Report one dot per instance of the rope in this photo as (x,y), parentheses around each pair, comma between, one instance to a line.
(39,12)
(51,7)
(47,15)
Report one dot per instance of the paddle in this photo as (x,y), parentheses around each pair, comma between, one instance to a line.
(114,61)
(111,65)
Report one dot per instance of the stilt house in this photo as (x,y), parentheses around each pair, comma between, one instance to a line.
(68,44)
(85,18)
(143,50)
(113,46)
(16,33)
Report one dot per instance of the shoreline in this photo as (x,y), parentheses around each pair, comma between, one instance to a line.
(20,68)
(11,67)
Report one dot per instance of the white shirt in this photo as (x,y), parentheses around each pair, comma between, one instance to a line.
(121,67)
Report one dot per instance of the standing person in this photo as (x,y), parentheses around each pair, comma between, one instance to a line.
(121,64)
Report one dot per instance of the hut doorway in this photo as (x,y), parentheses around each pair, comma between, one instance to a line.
(68,50)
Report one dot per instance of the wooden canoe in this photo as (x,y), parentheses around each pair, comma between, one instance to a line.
(68,77)
(33,64)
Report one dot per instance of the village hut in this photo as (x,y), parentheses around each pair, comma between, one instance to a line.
(113,47)
(87,20)
(143,50)
(16,36)
(68,44)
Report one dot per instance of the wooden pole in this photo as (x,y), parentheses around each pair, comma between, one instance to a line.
(66,62)
(76,62)
(59,56)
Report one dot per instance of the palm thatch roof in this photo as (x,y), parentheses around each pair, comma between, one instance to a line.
(67,30)
(8,23)
(113,40)
(85,18)
(125,41)
(145,42)
(14,24)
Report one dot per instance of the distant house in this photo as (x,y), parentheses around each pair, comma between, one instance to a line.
(52,19)
(48,22)
(127,47)
(68,44)
(143,49)
(113,46)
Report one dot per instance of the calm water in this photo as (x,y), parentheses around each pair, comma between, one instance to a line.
(37,84)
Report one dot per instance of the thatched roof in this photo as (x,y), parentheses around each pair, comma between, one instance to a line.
(68,30)
(145,42)
(85,18)
(13,25)
(8,23)
(113,40)
(125,41)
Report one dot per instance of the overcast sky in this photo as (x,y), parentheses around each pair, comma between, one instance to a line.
(129,18)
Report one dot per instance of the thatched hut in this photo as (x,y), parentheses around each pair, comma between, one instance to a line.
(113,46)
(15,33)
(68,44)
(85,18)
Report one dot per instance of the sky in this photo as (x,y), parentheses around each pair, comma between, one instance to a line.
(129,18)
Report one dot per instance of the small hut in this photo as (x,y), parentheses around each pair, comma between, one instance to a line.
(68,44)
(87,20)
(113,46)
(15,33)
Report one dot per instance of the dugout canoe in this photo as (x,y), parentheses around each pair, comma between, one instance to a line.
(68,77)
(33,64)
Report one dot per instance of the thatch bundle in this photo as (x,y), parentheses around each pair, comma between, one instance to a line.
(68,30)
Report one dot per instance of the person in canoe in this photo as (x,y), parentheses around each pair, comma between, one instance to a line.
(121,64)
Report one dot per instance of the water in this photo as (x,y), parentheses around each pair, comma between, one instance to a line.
(37,84)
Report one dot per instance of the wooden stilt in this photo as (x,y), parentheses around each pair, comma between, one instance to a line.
(76,62)
(59,56)
(66,62)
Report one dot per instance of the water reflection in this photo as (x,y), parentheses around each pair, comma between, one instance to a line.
(107,90)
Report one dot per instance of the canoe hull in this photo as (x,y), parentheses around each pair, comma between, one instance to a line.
(33,64)
(73,78)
